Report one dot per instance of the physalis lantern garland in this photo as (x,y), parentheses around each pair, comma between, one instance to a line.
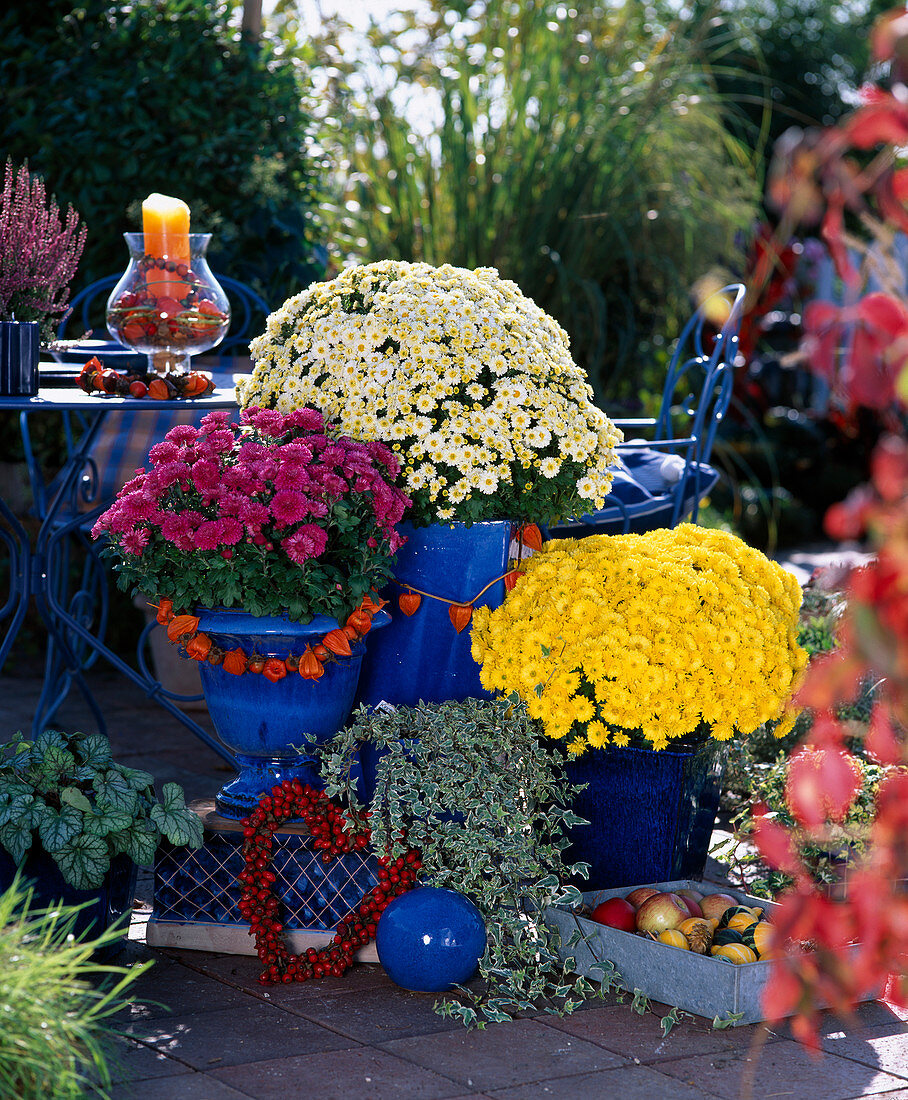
(278,515)
(469,382)
(646,639)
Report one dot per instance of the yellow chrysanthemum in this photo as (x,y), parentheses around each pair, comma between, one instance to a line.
(633,635)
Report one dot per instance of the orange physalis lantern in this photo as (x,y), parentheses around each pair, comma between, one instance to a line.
(274,669)
(530,536)
(311,667)
(460,615)
(409,602)
(197,648)
(235,662)
(181,625)
(337,642)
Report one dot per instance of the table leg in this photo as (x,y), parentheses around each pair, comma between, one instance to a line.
(15,537)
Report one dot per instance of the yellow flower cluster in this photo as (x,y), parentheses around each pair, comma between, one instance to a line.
(468,380)
(656,636)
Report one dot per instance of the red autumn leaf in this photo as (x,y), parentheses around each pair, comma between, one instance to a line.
(881,122)
(881,742)
(889,468)
(782,993)
(409,602)
(460,615)
(777,846)
(831,678)
(822,785)
(823,324)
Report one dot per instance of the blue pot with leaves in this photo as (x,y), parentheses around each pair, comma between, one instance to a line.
(75,824)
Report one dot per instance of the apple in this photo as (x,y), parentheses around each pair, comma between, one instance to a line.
(694,895)
(638,897)
(693,907)
(661,912)
(616,913)
(714,905)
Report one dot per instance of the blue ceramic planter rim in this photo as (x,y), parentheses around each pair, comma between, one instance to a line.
(709,745)
(236,621)
(453,524)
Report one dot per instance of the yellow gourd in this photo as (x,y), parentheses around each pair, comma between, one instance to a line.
(764,935)
(674,938)
(736,953)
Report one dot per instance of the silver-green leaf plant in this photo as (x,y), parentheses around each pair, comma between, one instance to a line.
(65,793)
(476,789)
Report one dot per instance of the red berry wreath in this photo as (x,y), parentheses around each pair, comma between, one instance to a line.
(327,822)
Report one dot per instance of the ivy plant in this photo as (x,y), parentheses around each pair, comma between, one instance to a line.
(65,793)
(474,787)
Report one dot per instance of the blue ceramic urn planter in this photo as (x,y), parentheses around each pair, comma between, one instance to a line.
(651,813)
(430,939)
(266,724)
(422,657)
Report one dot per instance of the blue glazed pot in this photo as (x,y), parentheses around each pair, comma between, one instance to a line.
(111,902)
(422,657)
(430,939)
(263,723)
(651,813)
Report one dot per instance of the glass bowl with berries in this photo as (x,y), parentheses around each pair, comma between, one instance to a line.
(167,309)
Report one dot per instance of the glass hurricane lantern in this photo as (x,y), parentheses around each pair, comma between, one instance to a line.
(167,309)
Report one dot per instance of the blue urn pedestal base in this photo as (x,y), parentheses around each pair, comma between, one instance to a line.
(196,893)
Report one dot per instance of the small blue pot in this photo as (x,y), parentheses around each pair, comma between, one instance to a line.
(19,349)
(263,723)
(430,939)
(651,813)
(111,902)
(422,657)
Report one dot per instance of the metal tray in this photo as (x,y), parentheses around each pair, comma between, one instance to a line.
(700,984)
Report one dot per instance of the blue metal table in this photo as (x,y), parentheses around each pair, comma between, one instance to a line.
(38,567)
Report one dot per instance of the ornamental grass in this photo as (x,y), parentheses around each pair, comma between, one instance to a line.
(647,639)
(469,382)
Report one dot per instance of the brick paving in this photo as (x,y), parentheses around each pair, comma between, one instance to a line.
(201,1027)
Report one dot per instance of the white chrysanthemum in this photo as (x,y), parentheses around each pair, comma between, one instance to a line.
(456,369)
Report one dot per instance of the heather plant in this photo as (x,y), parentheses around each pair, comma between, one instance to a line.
(39,250)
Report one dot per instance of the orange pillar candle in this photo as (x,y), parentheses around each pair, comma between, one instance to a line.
(165,223)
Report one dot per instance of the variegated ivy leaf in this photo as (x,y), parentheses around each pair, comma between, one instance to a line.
(107,820)
(49,739)
(179,825)
(16,838)
(57,827)
(83,861)
(114,790)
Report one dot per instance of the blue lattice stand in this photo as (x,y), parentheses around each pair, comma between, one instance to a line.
(196,893)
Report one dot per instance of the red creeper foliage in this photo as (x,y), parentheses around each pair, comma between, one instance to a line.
(838,948)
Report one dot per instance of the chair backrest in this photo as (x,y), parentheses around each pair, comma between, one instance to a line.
(248,311)
(700,377)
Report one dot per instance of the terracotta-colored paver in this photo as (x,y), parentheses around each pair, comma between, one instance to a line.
(782,1070)
(231,1036)
(359,1074)
(504,1055)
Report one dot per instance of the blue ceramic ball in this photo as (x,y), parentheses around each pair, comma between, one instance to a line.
(430,939)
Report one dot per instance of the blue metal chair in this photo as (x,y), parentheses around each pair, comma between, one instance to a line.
(661,481)
(117,449)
